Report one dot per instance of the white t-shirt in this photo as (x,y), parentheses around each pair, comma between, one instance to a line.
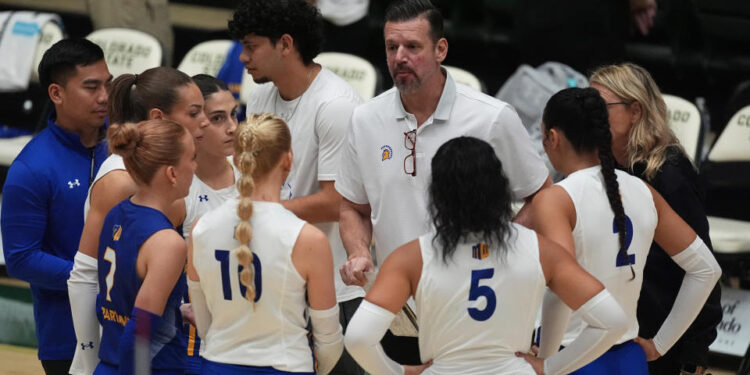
(372,163)
(343,12)
(479,308)
(112,163)
(273,333)
(318,120)
(596,240)
(202,198)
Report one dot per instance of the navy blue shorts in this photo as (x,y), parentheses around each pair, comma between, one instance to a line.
(106,369)
(216,368)
(627,358)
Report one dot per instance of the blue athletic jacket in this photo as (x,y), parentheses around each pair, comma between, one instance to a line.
(41,223)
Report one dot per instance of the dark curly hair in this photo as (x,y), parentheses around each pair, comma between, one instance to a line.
(272,19)
(469,194)
(581,114)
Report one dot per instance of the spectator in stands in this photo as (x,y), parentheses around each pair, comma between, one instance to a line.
(643,144)
(393,137)
(149,16)
(44,194)
(280,40)
(582,34)
(345,25)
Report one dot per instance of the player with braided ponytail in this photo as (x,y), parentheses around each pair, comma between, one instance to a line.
(607,220)
(255,270)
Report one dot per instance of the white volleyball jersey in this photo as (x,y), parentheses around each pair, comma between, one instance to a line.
(273,332)
(202,198)
(112,163)
(478,309)
(597,242)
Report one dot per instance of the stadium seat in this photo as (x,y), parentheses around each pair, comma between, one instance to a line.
(727,174)
(205,58)
(127,51)
(357,71)
(51,34)
(11,147)
(462,76)
(684,119)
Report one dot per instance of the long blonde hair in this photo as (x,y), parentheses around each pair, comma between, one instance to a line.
(259,143)
(650,137)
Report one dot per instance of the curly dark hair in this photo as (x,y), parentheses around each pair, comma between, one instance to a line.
(581,114)
(469,194)
(272,19)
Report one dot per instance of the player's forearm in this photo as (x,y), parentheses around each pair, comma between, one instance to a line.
(320,207)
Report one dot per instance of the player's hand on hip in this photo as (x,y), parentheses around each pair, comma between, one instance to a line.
(416,370)
(353,271)
(536,363)
(648,347)
(187,313)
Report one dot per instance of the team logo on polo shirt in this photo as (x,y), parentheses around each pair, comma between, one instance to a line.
(480,251)
(116,232)
(386,153)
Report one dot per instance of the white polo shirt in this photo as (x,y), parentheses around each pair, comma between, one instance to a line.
(372,164)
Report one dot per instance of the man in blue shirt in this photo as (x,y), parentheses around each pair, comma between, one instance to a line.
(44,193)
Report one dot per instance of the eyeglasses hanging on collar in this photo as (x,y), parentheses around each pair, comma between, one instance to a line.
(410,142)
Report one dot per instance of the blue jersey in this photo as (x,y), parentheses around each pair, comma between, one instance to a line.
(42,220)
(125,229)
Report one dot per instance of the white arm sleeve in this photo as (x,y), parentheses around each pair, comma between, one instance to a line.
(328,338)
(701,274)
(606,322)
(200,308)
(555,316)
(363,335)
(83,287)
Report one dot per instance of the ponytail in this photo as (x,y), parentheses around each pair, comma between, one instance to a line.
(259,143)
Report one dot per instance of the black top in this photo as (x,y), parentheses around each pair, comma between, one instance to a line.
(677,181)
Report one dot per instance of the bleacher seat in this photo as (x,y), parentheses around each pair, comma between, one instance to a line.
(51,34)
(465,77)
(11,147)
(205,58)
(727,174)
(357,71)
(684,119)
(127,51)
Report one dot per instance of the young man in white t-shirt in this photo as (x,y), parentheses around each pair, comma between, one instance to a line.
(280,40)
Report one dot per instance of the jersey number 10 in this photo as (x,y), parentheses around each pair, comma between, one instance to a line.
(223,257)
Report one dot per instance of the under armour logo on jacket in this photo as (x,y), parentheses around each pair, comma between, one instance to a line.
(90,345)
(203,198)
(74,183)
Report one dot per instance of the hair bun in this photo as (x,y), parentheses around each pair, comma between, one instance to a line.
(123,138)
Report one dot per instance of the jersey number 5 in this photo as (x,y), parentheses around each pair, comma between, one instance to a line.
(223,257)
(476,291)
(622,261)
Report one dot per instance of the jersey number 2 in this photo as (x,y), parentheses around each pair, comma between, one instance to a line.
(476,291)
(223,257)
(622,261)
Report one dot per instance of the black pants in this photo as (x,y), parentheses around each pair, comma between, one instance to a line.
(57,367)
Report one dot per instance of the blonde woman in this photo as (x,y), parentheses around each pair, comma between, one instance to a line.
(141,256)
(644,145)
(255,270)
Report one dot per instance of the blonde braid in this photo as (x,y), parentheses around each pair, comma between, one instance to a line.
(243,232)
